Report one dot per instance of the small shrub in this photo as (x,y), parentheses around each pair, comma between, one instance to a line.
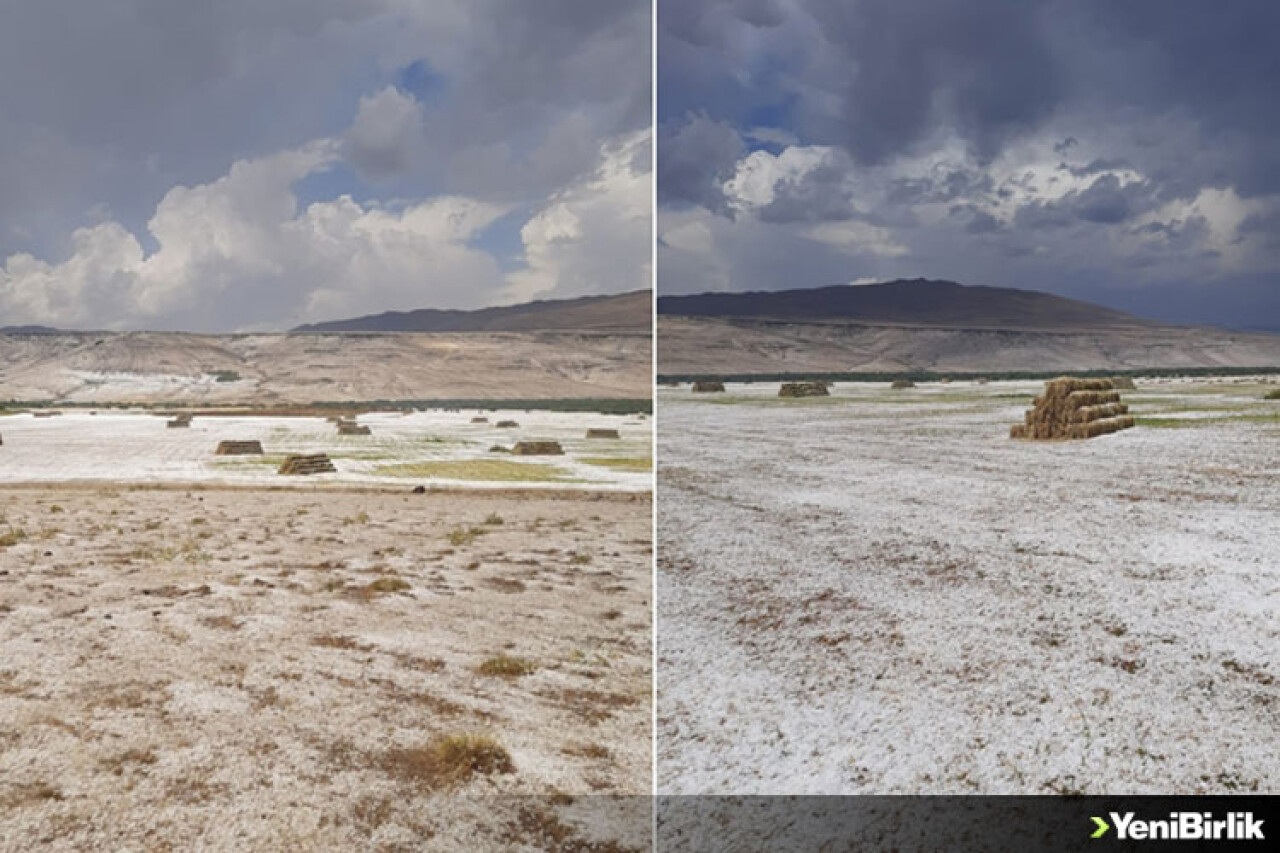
(505,666)
(493,519)
(449,760)
(384,586)
(460,536)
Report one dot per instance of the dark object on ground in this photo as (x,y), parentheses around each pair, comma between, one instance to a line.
(537,448)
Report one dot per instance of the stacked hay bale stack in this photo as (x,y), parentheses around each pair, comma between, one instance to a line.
(804,389)
(179,421)
(596,432)
(1074,408)
(708,387)
(316,463)
(537,448)
(239,448)
(506,425)
(1123,383)
(899,384)
(352,428)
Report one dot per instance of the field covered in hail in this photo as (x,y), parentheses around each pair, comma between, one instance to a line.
(431,447)
(880,592)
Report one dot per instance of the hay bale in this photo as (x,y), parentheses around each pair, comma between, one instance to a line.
(1123,383)
(537,448)
(804,389)
(602,433)
(316,463)
(498,448)
(239,448)
(45,414)
(1073,408)
(506,425)
(899,384)
(708,387)
(479,420)
(352,428)
(178,423)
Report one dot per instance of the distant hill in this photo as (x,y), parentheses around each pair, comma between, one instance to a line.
(29,330)
(624,312)
(921,325)
(915,302)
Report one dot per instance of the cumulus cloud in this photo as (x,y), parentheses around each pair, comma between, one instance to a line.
(238,253)
(245,165)
(593,237)
(1103,150)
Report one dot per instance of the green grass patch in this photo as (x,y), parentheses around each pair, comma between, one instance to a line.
(621,463)
(481,470)
(1192,423)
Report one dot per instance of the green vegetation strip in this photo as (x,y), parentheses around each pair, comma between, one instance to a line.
(930,376)
(481,470)
(1184,423)
(620,463)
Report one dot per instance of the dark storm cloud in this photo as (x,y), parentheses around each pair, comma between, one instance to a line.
(695,157)
(1156,119)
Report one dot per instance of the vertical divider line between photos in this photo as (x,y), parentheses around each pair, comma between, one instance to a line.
(653,423)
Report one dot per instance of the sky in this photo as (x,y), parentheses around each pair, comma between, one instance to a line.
(1120,152)
(243,166)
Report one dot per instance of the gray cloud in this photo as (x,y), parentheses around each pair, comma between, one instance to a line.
(1068,146)
(116,113)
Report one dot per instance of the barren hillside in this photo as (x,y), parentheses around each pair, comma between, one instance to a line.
(689,345)
(303,368)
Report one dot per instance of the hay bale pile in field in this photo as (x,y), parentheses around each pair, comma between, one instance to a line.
(179,421)
(537,448)
(352,428)
(1123,383)
(479,420)
(239,448)
(602,433)
(804,389)
(45,414)
(899,384)
(316,463)
(708,387)
(1074,408)
(506,425)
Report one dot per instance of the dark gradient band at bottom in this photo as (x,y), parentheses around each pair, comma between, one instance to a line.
(902,824)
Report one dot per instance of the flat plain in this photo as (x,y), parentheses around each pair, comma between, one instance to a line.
(200,653)
(880,592)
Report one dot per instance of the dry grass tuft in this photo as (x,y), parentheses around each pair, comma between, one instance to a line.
(383,586)
(505,666)
(448,761)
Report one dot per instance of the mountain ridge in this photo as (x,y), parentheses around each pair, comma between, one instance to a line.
(907,302)
(623,311)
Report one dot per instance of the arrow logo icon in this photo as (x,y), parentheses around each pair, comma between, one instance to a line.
(1102,828)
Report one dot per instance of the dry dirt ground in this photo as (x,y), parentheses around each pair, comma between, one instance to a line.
(224,668)
(276,369)
(693,346)
(880,592)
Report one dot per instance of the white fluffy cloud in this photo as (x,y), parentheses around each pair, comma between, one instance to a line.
(239,253)
(593,237)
